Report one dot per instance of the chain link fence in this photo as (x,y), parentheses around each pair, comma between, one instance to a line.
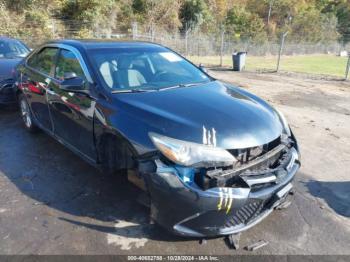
(323,59)
(331,59)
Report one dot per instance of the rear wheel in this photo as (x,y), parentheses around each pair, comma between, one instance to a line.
(26,114)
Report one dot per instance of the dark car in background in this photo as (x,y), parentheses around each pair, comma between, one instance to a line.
(12,52)
(213,158)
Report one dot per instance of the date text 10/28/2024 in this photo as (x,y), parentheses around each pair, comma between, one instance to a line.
(173,258)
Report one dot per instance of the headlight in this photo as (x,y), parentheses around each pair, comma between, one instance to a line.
(286,128)
(191,154)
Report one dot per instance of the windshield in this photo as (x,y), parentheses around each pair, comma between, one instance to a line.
(142,69)
(12,49)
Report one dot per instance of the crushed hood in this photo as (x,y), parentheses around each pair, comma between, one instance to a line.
(212,113)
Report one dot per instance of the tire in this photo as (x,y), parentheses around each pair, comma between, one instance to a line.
(26,114)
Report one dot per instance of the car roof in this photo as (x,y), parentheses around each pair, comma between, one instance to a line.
(100,44)
(8,39)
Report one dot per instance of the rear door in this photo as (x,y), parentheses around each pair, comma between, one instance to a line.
(72,113)
(36,82)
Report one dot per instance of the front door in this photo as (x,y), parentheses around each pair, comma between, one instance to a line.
(36,81)
(72,113)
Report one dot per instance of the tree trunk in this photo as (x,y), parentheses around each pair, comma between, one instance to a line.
(269,13)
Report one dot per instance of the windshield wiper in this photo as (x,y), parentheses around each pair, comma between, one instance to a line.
(182,85)
(141,90)
(136,90)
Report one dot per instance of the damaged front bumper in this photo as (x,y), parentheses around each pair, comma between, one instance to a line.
(181,206)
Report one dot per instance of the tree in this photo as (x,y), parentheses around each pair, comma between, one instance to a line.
(244,24)
(26,18)
(83,17)
(163,14)
(220,10)
(323,27)
(192,14)
(343,15)
(313,20)
(9,22)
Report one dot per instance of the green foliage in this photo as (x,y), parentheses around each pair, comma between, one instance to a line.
(25,21)
(323,27)
(253,20)
(39,23)
(85,15)
(193,13)
(139,6)
(343,14)
(340,9)
(245,25)
(9,22)
(155,14)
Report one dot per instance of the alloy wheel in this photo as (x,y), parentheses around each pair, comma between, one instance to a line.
(26,114)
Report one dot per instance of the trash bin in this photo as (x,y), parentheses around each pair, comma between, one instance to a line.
(238,60)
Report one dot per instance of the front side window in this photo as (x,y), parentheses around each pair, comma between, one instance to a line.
(44,60)
(68,65)
(144,69)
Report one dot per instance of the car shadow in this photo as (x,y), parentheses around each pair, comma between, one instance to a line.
(335,194)
(51,175)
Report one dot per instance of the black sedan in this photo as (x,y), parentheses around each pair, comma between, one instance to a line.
(12,52)
(212,158)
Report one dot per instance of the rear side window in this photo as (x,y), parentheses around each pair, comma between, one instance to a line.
(68,63)
(44,60)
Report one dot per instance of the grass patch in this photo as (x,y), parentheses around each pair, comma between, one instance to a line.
(310,64)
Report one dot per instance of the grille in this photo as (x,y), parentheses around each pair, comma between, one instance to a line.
(248,154)
(246,213)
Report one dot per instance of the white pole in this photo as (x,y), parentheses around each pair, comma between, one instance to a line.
(222,46)
(281,50)
(347,68)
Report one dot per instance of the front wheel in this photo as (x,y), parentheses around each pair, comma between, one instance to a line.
(26,114)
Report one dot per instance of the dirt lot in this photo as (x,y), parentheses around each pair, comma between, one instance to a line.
(51,202)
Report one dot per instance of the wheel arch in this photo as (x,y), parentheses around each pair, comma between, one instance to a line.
(104,139)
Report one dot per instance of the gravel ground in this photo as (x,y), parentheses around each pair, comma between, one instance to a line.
(51,202)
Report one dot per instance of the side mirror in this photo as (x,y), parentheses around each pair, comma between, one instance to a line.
(75,84)
(202,68)
(69,75)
